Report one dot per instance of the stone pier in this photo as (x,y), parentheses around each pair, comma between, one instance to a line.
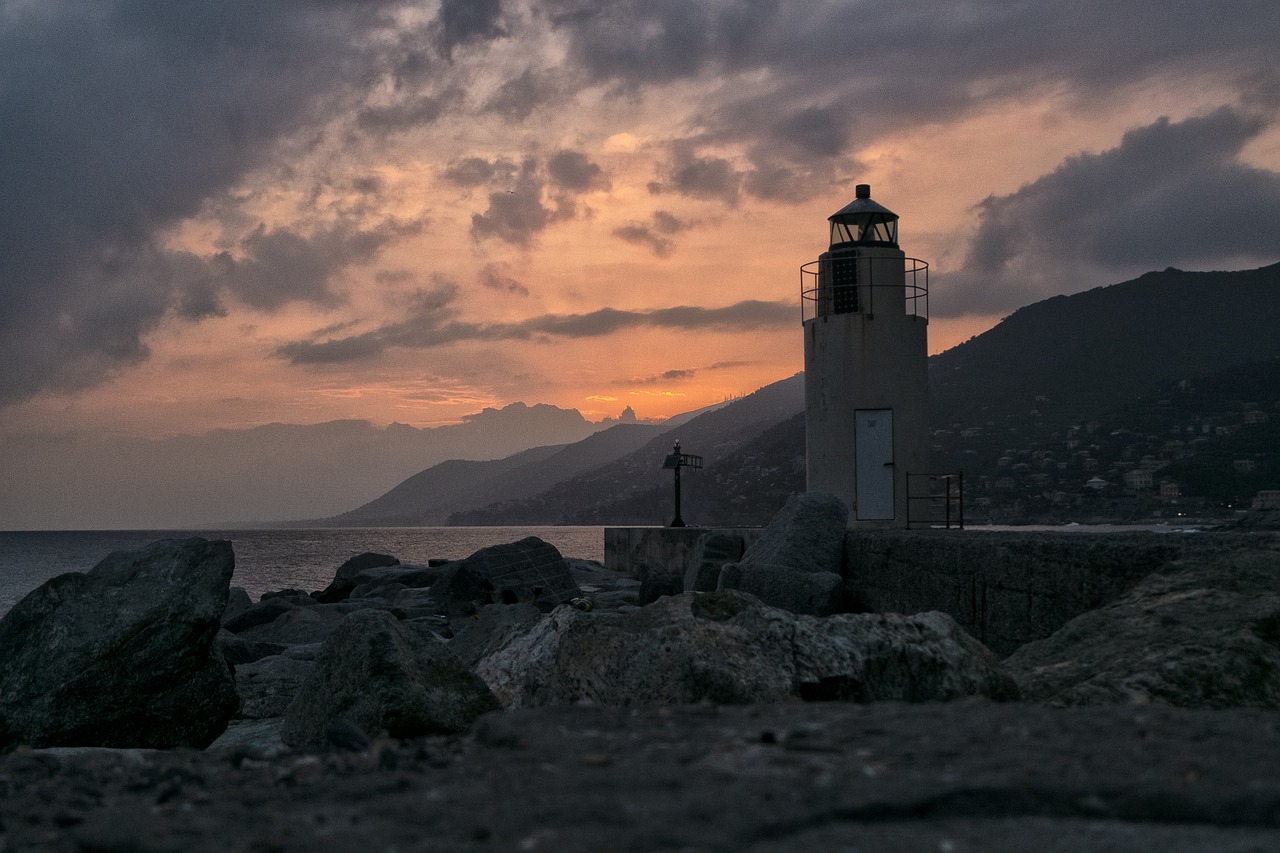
(1006,588)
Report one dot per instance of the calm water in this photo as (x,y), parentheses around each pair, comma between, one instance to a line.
(270,559)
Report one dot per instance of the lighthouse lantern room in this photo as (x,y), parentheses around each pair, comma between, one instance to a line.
(865,308)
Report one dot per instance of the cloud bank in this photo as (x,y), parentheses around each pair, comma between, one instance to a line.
(172,163)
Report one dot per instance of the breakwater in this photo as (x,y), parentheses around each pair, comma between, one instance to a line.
(1006,588)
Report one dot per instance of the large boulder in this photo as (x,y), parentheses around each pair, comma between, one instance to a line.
(529,570)
(712,550)
(387,582)
(797,563)
(1201,634)
(728,647)
(378,676)
(267,686)
(345,580)
(122,656)
(296,625)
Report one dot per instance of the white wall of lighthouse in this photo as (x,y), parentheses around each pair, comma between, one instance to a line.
(866,367)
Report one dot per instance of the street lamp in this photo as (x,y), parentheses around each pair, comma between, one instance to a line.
(675,461)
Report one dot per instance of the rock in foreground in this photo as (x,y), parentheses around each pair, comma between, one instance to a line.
(797,563)
(1203,634)
(378,676)
(122,656)
(728,647)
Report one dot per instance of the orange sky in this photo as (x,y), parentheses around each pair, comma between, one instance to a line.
(470,205)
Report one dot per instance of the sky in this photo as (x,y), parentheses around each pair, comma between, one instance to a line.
(233,213)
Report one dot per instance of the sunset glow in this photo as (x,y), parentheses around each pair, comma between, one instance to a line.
(409,211)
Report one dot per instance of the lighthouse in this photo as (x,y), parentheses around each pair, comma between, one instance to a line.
(865,310)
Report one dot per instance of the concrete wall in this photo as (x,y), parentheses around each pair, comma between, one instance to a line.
(637,551)
(1009,588)
(1005,588)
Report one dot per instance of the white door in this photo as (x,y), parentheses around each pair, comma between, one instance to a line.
(873,449)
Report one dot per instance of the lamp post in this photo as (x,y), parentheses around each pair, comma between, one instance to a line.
(675,461)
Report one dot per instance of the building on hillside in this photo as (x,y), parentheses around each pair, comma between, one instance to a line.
(1138,478)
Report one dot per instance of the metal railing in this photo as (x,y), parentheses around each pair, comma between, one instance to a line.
(941,505)
(914,289)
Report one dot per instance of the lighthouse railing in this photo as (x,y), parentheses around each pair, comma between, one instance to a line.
(818,296)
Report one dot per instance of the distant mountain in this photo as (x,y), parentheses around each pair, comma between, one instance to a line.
(1075,356)
(428,497)
(267,473)
(716,434)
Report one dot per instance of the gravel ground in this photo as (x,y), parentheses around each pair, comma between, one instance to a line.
(958,777)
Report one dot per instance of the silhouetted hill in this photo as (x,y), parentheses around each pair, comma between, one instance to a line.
(714,435)
(1072,357)
(428,497)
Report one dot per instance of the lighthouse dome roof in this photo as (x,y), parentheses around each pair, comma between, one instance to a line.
(861,206)
(863,222)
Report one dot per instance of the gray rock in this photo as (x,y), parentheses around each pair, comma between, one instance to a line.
(237,650)
(122,656)
(386,581)
(303,651)
(297,625)
(382,677)
(530,570)
(267,686)
(261,737)
(297,597)
(728,647)
(260,613)
(238,601)
(657,580)
(344,580)
(491,629)
(806,537)
(710,553)
(413,598)
(1202,634)
(812,593)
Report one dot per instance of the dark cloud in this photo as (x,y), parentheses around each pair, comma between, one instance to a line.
(281,266)
(689,174)
(519,212)
(657,235)
(464,21)
(574,171)
(495,277)
(636,42)
(519,97)
(678,374)
(423,330)
(477,171)
(116,123)
(515,215)
(414,111)
(825,78)
(1171,193)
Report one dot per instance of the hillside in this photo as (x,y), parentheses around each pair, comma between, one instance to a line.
(1072,357)
(713,435)
(428,497)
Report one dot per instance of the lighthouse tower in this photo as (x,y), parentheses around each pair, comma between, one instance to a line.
(865,308)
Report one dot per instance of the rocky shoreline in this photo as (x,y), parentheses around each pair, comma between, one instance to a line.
(521,700)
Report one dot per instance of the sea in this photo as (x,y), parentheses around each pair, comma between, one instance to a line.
(269,559)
